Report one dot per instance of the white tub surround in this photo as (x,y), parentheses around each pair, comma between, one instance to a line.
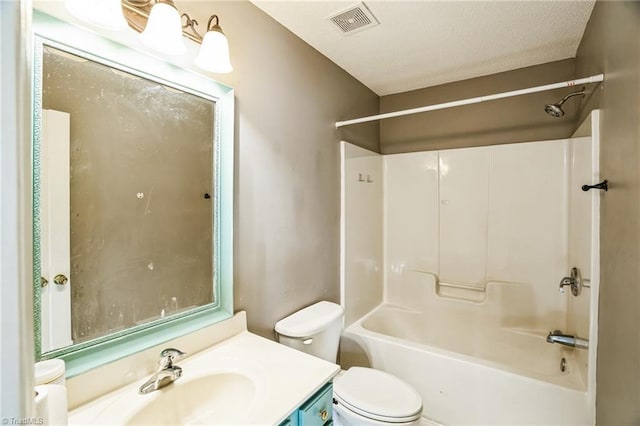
(276,378)
(475,244)
(361,225)
(488,214)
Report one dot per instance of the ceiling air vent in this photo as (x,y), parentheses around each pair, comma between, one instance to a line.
(354,19)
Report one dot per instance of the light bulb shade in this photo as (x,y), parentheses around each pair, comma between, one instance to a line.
(214,53)
(100,13)
(163,32)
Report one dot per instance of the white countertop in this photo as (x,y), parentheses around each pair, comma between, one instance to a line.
(284,378)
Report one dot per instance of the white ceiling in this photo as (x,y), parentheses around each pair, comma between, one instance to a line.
(426,43)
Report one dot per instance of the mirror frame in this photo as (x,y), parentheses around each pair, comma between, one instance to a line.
(87,355)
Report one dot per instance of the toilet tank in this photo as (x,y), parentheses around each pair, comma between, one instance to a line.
(315,330)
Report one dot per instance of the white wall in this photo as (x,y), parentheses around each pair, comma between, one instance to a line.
(16,326)
(361,231)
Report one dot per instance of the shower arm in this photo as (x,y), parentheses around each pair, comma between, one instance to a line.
(571,83)
(581,92)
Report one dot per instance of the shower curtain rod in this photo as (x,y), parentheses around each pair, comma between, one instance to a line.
(569,83)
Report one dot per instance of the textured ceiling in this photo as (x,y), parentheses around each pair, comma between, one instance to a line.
(426,43)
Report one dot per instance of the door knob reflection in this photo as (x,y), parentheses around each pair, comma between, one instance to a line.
(60,279)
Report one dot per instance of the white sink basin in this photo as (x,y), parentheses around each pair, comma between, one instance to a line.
(212,399)
(243,380)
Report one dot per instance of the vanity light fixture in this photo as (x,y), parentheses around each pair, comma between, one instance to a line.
(161,26)
(163,32)
(214,52)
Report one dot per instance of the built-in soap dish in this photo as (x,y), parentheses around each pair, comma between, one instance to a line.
(469,293)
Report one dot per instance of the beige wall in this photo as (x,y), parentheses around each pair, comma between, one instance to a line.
(611,44)
(287,188)
(517,119)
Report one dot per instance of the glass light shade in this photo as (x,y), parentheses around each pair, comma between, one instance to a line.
(100,13)
(163,32)
(214,53)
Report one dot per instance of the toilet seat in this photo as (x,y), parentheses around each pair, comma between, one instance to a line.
(377,395)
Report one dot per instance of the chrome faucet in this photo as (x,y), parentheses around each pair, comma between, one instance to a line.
(166,373)
(556,336)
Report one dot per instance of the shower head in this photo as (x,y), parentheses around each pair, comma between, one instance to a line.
(555,110)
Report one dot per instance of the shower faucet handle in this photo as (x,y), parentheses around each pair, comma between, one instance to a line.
(563,282)
(575,281)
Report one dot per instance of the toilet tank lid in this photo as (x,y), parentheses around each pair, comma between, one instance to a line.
(48,371)
(310,320)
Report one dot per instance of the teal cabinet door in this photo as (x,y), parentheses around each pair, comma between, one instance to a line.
(318,410)
(292,420)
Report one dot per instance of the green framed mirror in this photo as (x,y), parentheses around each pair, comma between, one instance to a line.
(133,198)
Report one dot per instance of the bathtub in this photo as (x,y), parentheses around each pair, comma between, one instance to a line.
(469,369)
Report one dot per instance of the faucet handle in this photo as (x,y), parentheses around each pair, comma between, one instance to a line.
(169,355)
(172,352)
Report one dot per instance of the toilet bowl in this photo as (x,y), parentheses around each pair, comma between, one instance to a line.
(373,397)
(362,396)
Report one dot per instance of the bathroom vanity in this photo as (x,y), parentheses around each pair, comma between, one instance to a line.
(240,379)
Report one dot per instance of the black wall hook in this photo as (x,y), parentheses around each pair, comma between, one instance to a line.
(604,185)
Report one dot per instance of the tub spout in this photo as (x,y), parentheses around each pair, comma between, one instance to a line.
(556,336)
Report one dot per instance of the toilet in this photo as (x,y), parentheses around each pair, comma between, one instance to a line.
(362,396)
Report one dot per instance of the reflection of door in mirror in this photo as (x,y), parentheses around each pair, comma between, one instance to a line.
(55,264)
(128,200)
